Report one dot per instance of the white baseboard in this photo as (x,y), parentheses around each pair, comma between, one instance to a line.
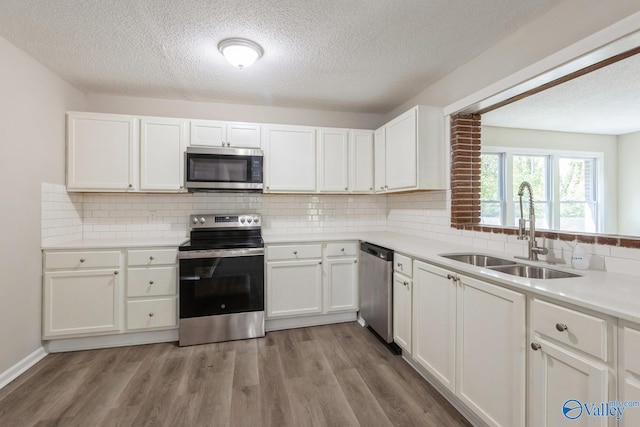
(16,370)
(305,321)
(106,341)
(445,392)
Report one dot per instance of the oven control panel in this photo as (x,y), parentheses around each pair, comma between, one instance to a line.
(225,221)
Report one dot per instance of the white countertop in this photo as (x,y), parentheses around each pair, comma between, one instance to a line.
(609,293)
(142,242)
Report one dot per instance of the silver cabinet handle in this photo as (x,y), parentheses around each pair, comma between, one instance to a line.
(116,272)
(82,260)
(130,185)
(405,283)
(535,346)
(561,327)
(345,188)
(268,187)
(151,258)
(355,261)
(451,276)
(295,252)
(320,262)
(342,250)
(370,188)
(150,314)
(151,282)
(399,264)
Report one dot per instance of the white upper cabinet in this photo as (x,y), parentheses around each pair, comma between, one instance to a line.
(333,155)
(401,152)
(213,133)
(290,158)
(380,179)
(360,161)
(162,147)
(410,151)
(102,152)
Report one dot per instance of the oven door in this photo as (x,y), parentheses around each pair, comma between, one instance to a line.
(223,169)
(221,282)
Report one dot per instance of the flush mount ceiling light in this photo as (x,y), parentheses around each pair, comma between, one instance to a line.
(240,53)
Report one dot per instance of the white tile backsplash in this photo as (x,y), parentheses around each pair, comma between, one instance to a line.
(72,216)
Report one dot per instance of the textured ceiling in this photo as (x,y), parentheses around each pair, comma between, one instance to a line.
(345,55)
(606,101)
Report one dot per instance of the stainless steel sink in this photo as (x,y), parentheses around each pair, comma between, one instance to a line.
(478,259)
(533,272)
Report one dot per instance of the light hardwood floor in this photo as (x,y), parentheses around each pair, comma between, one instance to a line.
(334,375)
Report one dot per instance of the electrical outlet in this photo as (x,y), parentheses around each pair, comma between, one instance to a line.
(153,216)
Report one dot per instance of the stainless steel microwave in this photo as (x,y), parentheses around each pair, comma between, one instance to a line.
(223,169)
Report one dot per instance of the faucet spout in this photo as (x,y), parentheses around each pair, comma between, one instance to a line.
(534,250)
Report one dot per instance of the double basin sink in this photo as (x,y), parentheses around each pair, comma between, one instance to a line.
(509,267)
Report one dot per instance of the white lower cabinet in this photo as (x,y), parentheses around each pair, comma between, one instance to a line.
(81,302)
(629,372)
(341,290)
(294,288)
(402,286)
(571,366)
(471,336)
(434,319)
(110,291)
(311,279)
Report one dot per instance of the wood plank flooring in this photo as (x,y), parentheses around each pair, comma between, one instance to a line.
(334,375)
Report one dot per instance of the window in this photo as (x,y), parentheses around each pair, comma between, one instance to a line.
(564,188)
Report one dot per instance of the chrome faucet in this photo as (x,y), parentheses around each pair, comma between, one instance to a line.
(534,250)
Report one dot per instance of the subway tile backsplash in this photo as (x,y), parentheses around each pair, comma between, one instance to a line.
(69,216)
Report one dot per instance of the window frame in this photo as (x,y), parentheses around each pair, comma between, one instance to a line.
(553,181)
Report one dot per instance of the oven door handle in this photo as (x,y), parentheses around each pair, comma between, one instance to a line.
(220,253)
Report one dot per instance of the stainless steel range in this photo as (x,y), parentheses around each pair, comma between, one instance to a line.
(222,279)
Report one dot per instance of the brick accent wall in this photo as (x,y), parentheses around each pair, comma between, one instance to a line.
(465,170)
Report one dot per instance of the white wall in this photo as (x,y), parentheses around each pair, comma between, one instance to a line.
(232,112)
(567,141)
(562,26)
(33,102)
(628,179)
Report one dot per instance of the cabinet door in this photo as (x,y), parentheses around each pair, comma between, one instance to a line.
(434,322)
(402,311)
(379,156)
(333,160)
(208,133)
(401,152)
(294,288)
(341,293)
(560,382)
(290,158)
(243,135)
(162,146)
(490,361)
(360,161)
(629,372)
(81,302)
(102,152)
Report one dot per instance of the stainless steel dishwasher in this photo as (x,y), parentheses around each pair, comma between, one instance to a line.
(376,291)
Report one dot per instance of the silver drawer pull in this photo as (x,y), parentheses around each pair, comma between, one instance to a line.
(151,258)
(535,346)
(405,283)
(295,252)
(116,272)
(150,314)
(82,260)
(400,264)
(355,261)
(561,327)
(342,250)
(151,282)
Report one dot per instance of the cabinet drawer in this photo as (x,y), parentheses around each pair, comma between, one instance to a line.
(583,331)
(86,259)
(149,257)
(340,249)
(152,281)
(631,350)
(151,313)
(282,252)
(403,264)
